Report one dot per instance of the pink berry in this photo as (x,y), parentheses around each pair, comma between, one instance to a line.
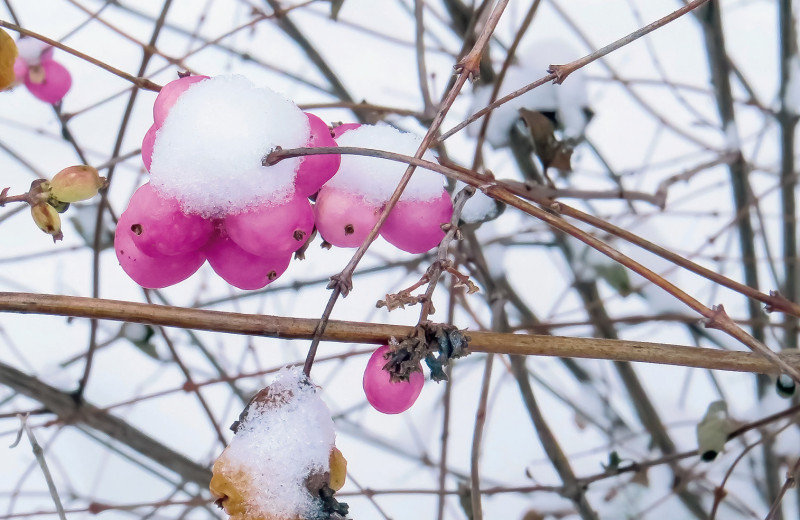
(316,170)
(344,219)
(55,85)
(344,127)
(272,229)
(384,395)
(169,96)
(415,226)
(148,143)
(240,268)
(152,272)
(20,70)
(159,227)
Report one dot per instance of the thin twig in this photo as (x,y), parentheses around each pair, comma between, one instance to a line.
(39,454)
(560,72)
(138,81)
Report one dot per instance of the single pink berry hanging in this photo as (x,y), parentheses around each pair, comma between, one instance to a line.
(44,77)
(383,394)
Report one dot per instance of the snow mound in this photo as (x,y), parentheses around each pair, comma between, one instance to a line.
(287,435)
(376,179)
(208,152)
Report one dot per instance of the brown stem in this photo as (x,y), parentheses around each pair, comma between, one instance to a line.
(138,81)
(560,72)
(376,333)
(467,68)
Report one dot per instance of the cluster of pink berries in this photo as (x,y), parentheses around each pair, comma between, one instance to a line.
(163,237)
(159,244)
(44,77)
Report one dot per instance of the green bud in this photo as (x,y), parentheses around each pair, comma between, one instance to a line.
(76,183)
(48,220)
(713,430)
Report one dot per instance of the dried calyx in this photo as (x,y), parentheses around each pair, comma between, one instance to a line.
(435,343)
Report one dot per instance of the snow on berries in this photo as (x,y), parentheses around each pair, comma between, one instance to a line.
(211,196)
(282,462)
(350,203)
(43,76)
(385,395)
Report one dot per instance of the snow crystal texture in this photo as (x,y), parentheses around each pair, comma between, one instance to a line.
(376,179)
(279,446)
(208,152)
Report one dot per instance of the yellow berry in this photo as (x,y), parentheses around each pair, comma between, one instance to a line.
(76,183)
(46,217)
(8,54)
(338,469)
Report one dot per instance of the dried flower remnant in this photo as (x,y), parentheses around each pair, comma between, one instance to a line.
(282,463)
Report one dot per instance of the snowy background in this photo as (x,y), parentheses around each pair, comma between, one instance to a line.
(655,117)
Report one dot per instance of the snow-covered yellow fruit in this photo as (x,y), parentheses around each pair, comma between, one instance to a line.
(8,54)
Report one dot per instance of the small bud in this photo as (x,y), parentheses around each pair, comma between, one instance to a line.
(46,217)
(60,206)
(76,183)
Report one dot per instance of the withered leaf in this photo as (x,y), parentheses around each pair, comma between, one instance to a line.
(551,151)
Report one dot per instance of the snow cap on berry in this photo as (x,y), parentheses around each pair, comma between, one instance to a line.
(208,152)
(286,435)
(375,179)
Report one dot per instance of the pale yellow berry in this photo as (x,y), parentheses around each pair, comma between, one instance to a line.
(46,217)
(76,183)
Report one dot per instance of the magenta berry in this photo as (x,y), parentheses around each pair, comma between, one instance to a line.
(316,170)
(169,95)
(384,395)
(55,81)
(152,272)
(344,219)
(272,229)
(415,226)
(148,143)
(240,268)
(344,127)
(158,226)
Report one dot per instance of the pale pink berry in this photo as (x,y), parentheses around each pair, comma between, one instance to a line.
(20,70)
(55,81)
(344,219)
(152,272)
(272,229)
(415,226)
(159,227)
(344,127)
(316,170)
(240,268)
(384,395)
(148,143)
(169,96)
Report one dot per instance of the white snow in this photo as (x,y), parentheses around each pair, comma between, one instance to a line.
(277,446)
(31,49)
(568,99)
(478,207)
(208,152)
(732,141)
(376,179)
